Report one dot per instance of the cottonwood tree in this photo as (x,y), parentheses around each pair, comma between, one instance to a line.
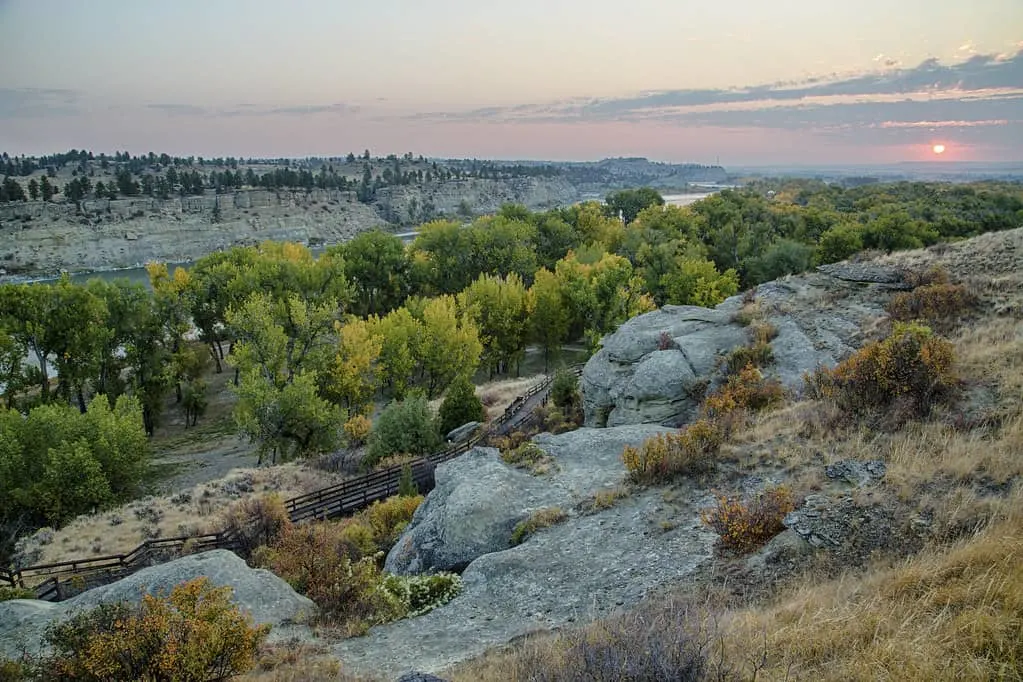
(498,306)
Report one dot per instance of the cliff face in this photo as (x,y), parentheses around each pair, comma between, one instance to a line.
(37,237)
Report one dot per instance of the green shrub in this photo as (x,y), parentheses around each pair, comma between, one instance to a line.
(565,389)
(7,593)
(404,428)
(784,257)
(419,594)
(193,634)
(538,520)
(742,526)
(911,369)
(839,243)
(407,483)
(460,406)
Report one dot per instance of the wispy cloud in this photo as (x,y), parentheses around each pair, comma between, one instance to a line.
(983,91)
(248,109)
(38,102)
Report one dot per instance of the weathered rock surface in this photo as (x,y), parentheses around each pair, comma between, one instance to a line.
(260,593)
(479,499)
(581,569)
(45,237)
(655,367)
(462,433)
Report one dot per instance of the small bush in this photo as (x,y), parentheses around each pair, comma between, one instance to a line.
(744,526)
(531,457)
(403,428)
(407,486)
(942,305)
(912,369)
(603,499)
(419,594)
(357,429)
(8,593)
(757,355)
(388,518)
(565,391)
(538,520)
(460,406)
(193,634)
(746,391)
(316,560)
(667,455)
(256,521)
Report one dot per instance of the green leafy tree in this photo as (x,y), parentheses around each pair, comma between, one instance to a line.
(499,308)
(629,202)
(839,243)
(404,427)
(450,343)
(784,257)
(378,266)
(461,405)
(549,316)
(698,282)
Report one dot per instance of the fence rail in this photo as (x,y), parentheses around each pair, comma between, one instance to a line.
(60,580)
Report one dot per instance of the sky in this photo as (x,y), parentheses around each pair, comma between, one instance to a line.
(739,82)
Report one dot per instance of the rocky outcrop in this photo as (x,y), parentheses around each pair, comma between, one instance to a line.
(479,499)
(593,563)
(655,368)
(102,234)
(260,593)
(463,432)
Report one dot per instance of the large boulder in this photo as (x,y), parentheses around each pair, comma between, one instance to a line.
(655,368)
(479,498)
(267,598)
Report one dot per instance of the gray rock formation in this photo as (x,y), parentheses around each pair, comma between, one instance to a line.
(586,567)
(462,433)
(655,368)
(260,593)
(479,499)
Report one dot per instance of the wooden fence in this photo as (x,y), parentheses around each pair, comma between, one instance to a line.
(63,579)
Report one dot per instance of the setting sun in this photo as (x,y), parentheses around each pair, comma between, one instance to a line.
(938,149)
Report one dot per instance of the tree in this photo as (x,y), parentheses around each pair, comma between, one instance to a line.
(46,189)
(548,315)
(461,405)
(450,343)
(401,336)
(33,189)
(784,257)
(629,202)
(279,404)
(697,282)
(403,428)
(354,376)
(378,266)
(839,243)
(498,306)
(11,190)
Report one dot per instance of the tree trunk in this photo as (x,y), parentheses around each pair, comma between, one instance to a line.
(44,386)
(216,357)
(81,399)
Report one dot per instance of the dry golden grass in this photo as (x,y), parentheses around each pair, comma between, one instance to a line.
(943,615)
(298,662)
(120,530)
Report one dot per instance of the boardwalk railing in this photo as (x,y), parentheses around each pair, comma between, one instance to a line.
(63,579)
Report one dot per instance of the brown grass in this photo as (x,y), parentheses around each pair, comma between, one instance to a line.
(199,510)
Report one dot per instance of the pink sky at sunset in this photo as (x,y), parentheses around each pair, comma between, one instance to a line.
(741,83)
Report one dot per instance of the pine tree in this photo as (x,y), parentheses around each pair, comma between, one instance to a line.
(461,405)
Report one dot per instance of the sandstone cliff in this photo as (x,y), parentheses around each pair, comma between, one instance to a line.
(44,238)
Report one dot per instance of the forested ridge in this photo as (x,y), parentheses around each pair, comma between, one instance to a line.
(315,341)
